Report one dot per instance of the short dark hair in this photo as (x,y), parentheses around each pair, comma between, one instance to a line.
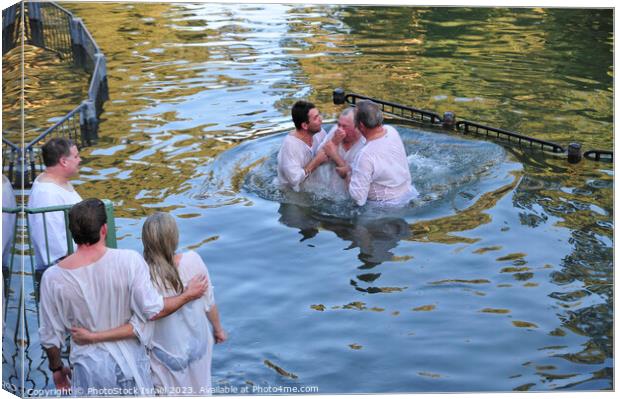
(86,219)
(369,113)
(55,149)
(300,112)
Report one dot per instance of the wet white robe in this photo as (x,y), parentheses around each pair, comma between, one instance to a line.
(181,346)
(325,181)
(44,194)
(98,297)
(293,156)
(381,173)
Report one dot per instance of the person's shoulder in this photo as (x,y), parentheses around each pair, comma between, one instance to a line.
(51,274)
(40,195)
(192,257)
(124,256)
(390,129)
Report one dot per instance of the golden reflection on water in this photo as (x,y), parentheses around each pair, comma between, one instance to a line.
(173,68)
(441,230)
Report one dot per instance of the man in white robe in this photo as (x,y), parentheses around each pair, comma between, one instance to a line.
(299,155)
(380,173)
(341,145)
(52,188)
(100,288)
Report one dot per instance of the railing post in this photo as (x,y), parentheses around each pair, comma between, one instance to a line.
(35,21)
(88,122)
(101,82)
(338,96)
(449,120)
(77,42)
(110,240)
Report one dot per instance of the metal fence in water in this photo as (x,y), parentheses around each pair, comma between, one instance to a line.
(51,27)
(449,122)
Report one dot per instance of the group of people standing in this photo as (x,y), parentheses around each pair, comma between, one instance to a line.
(138,325)
(360,158)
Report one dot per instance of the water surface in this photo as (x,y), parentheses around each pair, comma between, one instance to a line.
(503,282)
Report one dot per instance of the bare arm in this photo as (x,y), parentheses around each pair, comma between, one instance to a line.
(214,318)
(331,150)
(315,162)
(82,336)
(62,373)
(195,288)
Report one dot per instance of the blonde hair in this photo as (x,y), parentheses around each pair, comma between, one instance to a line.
(160,237)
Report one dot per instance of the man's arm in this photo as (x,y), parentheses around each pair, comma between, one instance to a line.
(315,162)
(331,150)
(195,288)
(60,372)
(360,179)
(82,336)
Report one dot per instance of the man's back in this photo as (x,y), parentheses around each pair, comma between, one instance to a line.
(100,296)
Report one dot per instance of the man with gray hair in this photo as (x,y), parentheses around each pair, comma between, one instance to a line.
(380,173)
(51,188)
(341,145)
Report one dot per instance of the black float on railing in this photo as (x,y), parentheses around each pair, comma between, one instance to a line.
(449,122)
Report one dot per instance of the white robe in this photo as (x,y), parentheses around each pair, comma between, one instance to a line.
(325,181)
(181,346)
(98,297)
(44,194)
(381,173)
(293,156)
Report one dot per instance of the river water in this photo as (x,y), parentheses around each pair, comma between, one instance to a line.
(500,280)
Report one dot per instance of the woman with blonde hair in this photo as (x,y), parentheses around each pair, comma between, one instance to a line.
(180,346)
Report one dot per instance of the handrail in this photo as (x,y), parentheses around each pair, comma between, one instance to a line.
(448,122)
(423,114)
(111,241)
(465,125)
(599,155)
(10,144)
(54,126)
(61,8)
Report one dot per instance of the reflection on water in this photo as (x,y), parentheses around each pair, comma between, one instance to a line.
(501,281)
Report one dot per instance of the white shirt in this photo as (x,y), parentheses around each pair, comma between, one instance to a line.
(98,297)
(181,347)
(325,181)
(381,173)
(44,194)
(294,154)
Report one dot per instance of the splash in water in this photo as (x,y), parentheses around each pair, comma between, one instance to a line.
(447,170)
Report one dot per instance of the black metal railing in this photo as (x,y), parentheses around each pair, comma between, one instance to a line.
(50,26)
(472,127)
(403,111)
(11,153)
(449,122)
(10,27)
(599,155)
